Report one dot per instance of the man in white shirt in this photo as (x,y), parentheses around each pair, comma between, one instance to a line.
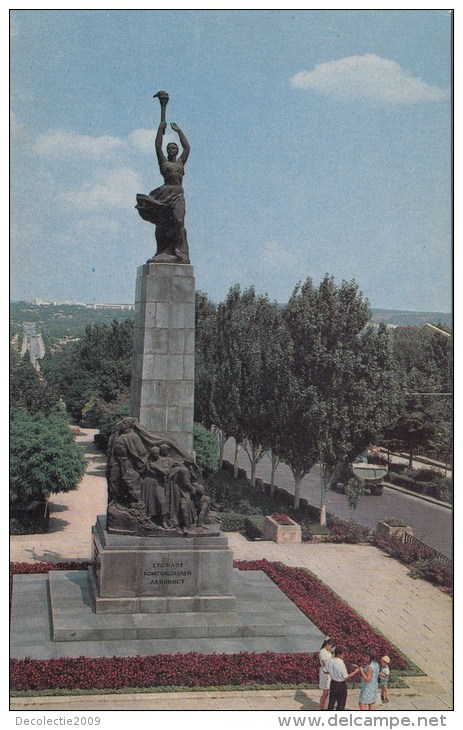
(336,668)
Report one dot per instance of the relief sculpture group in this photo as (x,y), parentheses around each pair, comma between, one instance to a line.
(154,486)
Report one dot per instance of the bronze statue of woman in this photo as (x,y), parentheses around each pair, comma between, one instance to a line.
(165,206)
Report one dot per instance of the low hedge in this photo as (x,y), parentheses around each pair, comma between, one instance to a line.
(254,526)
(233,521)
(439,488)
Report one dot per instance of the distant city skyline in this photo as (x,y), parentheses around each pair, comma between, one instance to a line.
(320,143)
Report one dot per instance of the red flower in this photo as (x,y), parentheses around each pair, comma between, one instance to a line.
(334,617)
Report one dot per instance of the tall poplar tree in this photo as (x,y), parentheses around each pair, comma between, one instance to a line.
(341,380)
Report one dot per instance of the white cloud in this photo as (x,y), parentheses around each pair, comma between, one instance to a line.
(64,143)
(109,189)
(143,140)
(367,78)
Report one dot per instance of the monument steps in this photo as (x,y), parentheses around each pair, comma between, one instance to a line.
(74,619)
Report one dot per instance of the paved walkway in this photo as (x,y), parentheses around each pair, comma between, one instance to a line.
(414,615)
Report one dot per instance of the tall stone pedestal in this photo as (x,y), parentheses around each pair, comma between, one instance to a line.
(164,346)
(133,574)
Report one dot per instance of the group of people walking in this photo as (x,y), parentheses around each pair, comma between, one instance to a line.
(334,677)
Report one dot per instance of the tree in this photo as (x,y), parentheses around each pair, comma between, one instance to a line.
(227,381)
(205,447)
(96,367)
(341,377)
(28,389)
(44,457)
(415,426)
(423,359)
(252,348)
(266,351)
(205,316)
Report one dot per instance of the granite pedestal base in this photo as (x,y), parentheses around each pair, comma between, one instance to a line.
(132,574)
(117,608)
(53,616)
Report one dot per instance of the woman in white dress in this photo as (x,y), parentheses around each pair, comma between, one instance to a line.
(324,654)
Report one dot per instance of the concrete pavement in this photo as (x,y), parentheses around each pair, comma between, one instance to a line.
(414,615)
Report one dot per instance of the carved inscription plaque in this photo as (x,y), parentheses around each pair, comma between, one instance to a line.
(169,575)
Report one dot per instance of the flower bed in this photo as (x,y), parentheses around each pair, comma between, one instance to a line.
(334,617)
(282,519)
(281,528)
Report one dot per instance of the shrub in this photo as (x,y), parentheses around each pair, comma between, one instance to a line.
(396,548)
(306,530)
(246,508)
(114,413)
(425,475)
(253,526)
(206,449)
(348,531)
(44,457)
(443,490)
(434,571)
(423,481)
(420,557)
(394,522)
(30,520)
(233,521)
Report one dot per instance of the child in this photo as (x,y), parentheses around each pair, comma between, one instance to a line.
(384,673)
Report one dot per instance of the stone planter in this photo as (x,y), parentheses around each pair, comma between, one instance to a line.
(386,530)
(272,530)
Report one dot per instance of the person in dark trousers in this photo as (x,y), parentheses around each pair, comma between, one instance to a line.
(339,675)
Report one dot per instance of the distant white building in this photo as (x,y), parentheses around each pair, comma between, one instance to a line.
(47,302)
(110,306)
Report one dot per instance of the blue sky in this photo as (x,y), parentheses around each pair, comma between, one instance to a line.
(320,143)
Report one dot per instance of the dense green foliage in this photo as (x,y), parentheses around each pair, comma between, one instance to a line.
(28,390)
(94,371)
(436,486)
(44,457)
(114,413)
(341,379)
(205,344)
(206,450)
(252,353)
(354,490)
(424,386)
(253,526)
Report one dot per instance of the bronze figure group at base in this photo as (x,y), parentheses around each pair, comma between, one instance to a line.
(154,486)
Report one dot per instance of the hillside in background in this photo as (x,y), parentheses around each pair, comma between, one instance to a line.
(58,322)
(410,319)
(61,322)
